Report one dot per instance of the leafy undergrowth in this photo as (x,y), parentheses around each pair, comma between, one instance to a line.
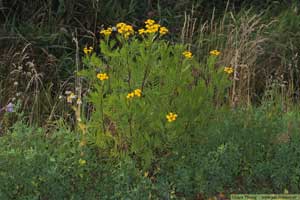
(241,151)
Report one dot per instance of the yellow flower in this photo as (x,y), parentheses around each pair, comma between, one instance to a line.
(82,161)
(228,70)
(141,31)
(152,28)
(171,117)
(70,97)
(137,92)
(125,29)
(102,76)
(87,50)
(121,24)
(106,32)
(130,95)
(187,54)
(215,52)
(149,22)
(163,30)
(155,27)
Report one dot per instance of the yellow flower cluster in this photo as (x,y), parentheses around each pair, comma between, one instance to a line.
(187,54)
(228,70)
(152,27)
(163,30)
(137,92)
(106,32)
(214,52)
(102,76)
(87,50)
(171,117)
(149,22)
(142,31)
(125,29)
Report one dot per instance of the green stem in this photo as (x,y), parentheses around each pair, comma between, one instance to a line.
(130,125)
(145,77)
(102,110)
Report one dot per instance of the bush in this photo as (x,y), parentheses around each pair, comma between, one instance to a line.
(146,93)
(39,166)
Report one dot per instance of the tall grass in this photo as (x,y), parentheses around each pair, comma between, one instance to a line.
(250,42)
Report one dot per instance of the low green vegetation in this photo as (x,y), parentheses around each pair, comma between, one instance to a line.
(241,151)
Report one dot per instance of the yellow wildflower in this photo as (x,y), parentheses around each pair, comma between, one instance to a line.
(82,161)
(155,27)
(152,28)
(121,24)
(215,52)
(141,31)
(187,54)
(163,30)
(130,95)
(87,50)
(137,92)
(106,32)
(171,117)
(125,29)
(149,22)
(102,76)
(228,70)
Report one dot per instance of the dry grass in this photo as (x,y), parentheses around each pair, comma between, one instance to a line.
(242,39)
(244,46)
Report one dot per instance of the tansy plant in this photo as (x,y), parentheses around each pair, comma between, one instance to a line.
(228,70)
(88,50)
(135,93)
(187,54)
(134,86)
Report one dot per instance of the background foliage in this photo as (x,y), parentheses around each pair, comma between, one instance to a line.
(38,49)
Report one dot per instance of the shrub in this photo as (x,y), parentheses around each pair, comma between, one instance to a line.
(146,93)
